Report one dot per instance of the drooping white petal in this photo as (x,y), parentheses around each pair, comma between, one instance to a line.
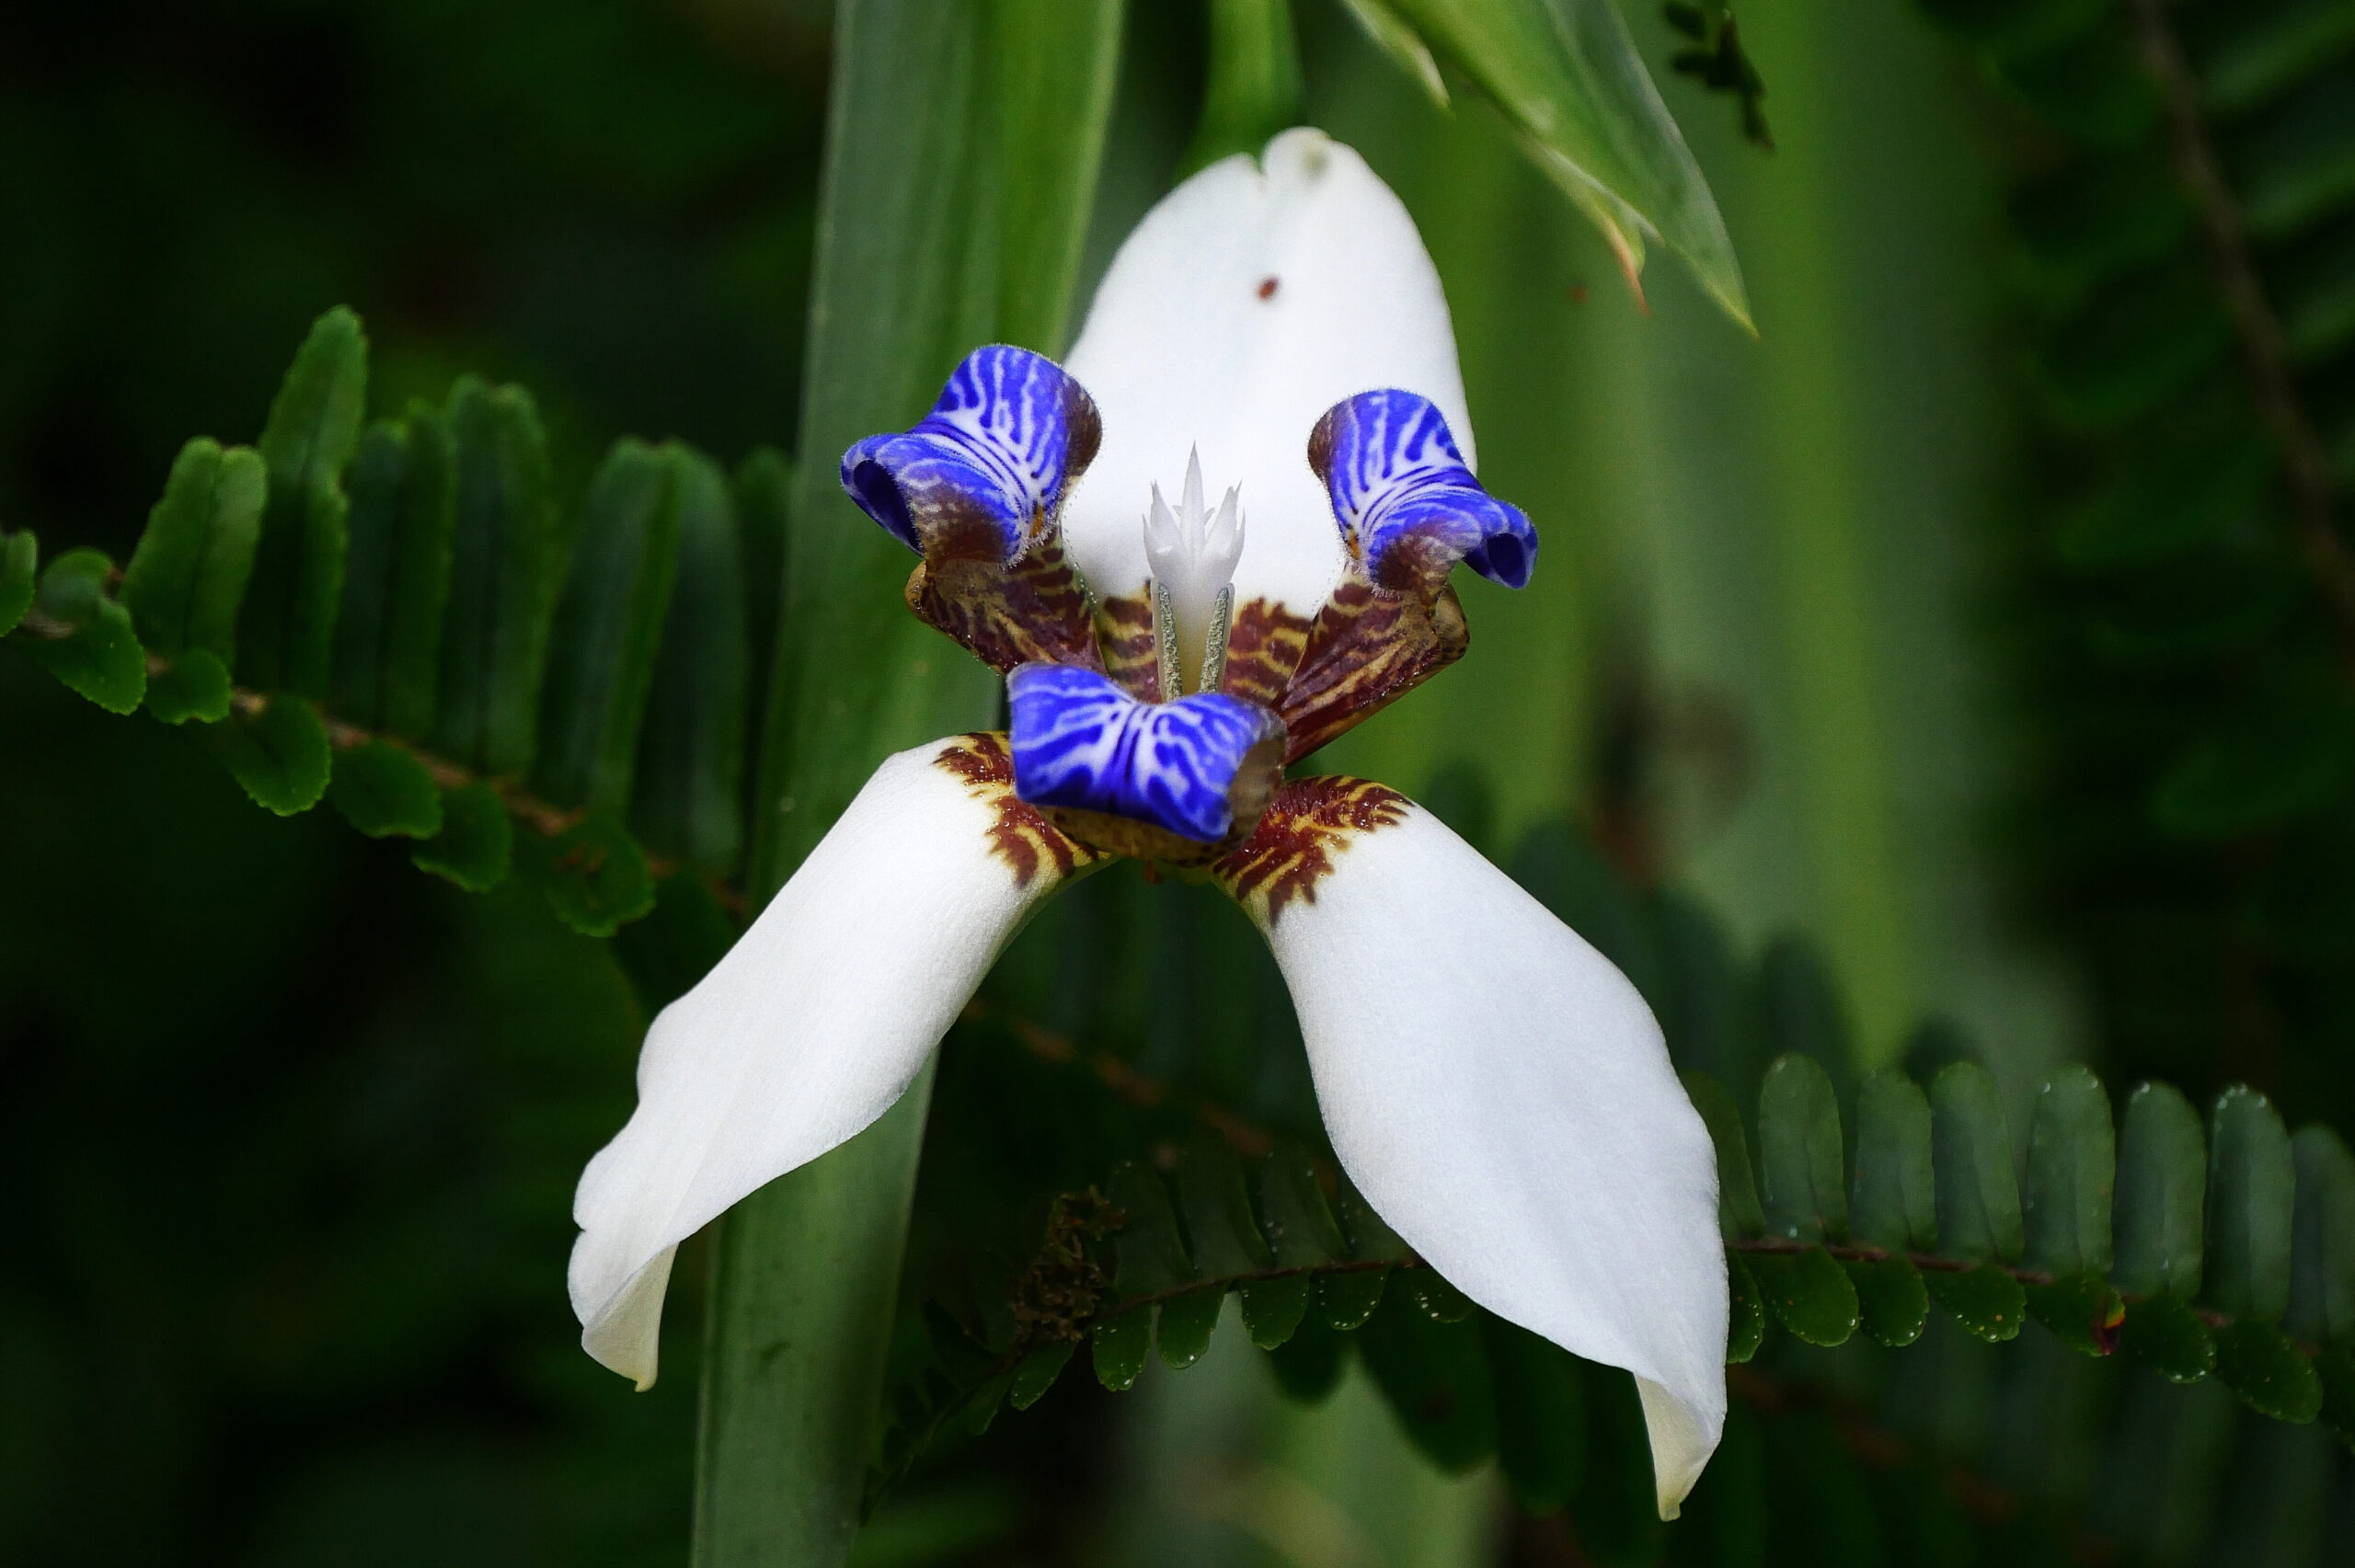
(1501,1095)
(1252,299)
(806,1032)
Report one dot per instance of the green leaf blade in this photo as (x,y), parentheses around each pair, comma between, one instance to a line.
(1566,74)
(1273,1309)
(1979,1199)
(2272,1377)
(1149,1249)
(1298,1223)
(1225,1237)
(78,633)
(1892,1303)
(476,847)
(689,794)
(2322,1263)
(1740,1214)
(1118,1347)
(1808,1293)
(278,752)
(1183,1327)
(2081,1310)
(1896,1197)
(595,874)
(195,685)
(402,485)
(2071,1175)
(1345,1301)
(506,560)
(1255,87)
(2252,1186)
(608,624)
(1986,1300)
(1037,1372)
(2161,1223)
(384,791)
(1801,1152)
(2168,1336)
(286,626)
(188,574)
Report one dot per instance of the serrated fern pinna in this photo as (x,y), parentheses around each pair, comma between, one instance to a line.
(399,616)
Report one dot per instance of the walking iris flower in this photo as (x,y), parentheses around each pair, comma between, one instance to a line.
(1494,1087)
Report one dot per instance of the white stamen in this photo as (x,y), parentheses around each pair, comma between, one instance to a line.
(1193,552)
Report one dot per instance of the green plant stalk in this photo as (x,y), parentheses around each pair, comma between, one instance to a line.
(1826,591)
(962,158)
(803,1283)
(1255,85)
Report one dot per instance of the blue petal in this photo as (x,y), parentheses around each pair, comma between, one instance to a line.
(984,473)
(1406,505)
(1079,741)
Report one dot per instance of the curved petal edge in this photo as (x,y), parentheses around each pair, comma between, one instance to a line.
(1503,1098)
(815,1022)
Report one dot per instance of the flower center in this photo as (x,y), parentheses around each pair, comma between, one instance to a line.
(1193,551)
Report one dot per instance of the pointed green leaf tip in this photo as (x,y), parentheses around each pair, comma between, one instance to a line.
(2072,1168)
(1978,1195)
(1800,1151)
(2161,1194)
(1254,80)
(278,752)
(384,791)
(1566,74)
(286,625)
(2251,1183)
(475,846)
(79,633)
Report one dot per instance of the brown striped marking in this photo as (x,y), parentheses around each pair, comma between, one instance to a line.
(1368,647)
(1034,610)
(1124,636)
(1022,837)
(1263,649)
(1308,825)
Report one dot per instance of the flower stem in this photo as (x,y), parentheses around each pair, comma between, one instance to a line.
(1254,85)
(961,155)
(804,1281)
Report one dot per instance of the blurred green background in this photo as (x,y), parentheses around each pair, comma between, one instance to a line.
(292,1130)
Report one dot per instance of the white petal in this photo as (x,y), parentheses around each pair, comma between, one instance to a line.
(806,1032)
(1181,350)
(1500,1095)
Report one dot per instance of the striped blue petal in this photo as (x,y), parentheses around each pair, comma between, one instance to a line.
(1406,505)
(1081,742)
(983,474)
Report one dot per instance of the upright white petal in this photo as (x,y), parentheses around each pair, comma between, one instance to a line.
(1252,299)
(1501,1095)
(806,1032)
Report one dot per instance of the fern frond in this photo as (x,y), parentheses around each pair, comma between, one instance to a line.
(396,617)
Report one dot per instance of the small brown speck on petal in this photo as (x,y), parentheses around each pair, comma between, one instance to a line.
(1267,288)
